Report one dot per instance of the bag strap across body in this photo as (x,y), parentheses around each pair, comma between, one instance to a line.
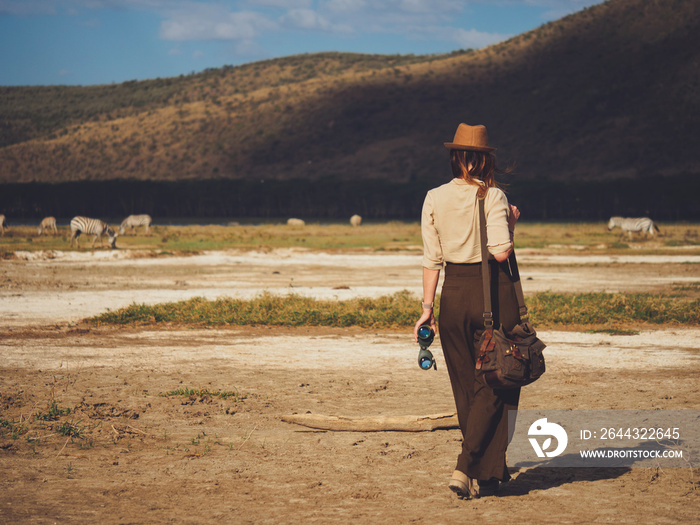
(485,274)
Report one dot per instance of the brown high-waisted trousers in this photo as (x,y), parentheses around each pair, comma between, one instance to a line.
(482,411)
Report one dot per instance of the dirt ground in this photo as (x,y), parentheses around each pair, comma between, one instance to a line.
(132,451)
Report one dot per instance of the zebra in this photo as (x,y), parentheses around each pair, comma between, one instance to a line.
(48,224)
(641,224)
(94,227)
(3,225)
(132,221)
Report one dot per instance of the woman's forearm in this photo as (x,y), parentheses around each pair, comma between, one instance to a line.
(513,217)
(430,282)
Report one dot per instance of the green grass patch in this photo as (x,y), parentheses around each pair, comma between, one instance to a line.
(53,412)
(203,392)
(554,309)
(68,428)
(52,416)
(400,311)
(619,245)
(390,236)
(397,310)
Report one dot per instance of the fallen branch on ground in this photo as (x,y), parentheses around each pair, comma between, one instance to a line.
(375,424)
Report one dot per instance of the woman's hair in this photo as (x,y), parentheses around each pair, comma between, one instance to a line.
(483,167)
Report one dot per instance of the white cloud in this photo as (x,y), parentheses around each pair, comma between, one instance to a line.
(250,23)
(310,20)
(213,23)
(554,8)
(306,19)
(388,16)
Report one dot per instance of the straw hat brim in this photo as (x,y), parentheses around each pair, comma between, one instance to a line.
(453,145)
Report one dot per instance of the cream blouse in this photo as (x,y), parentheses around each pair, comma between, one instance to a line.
(450,224)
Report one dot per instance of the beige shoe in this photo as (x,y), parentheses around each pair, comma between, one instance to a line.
(462,485)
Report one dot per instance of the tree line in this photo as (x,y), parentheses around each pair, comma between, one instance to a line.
(670,199)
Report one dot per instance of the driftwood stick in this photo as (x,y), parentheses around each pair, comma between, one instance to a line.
(375,424)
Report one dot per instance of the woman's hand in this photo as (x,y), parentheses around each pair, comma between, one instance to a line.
(427,318)
(513,217)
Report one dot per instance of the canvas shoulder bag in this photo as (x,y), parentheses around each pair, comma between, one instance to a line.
(506,359)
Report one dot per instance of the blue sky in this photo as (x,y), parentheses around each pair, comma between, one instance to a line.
(86,42)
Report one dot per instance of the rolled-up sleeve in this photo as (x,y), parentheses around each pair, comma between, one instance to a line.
(432,251)
(497,221)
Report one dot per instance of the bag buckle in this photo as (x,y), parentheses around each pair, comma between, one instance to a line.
(488,320)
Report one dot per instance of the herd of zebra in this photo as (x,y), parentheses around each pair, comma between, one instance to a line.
(89,226)
(97,228)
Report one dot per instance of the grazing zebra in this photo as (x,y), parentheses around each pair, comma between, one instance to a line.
(3,225)
(132,221)
(94,227)
(355,220)
(48,224)
(641,224)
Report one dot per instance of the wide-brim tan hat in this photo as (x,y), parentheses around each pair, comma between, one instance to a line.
(474,138)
